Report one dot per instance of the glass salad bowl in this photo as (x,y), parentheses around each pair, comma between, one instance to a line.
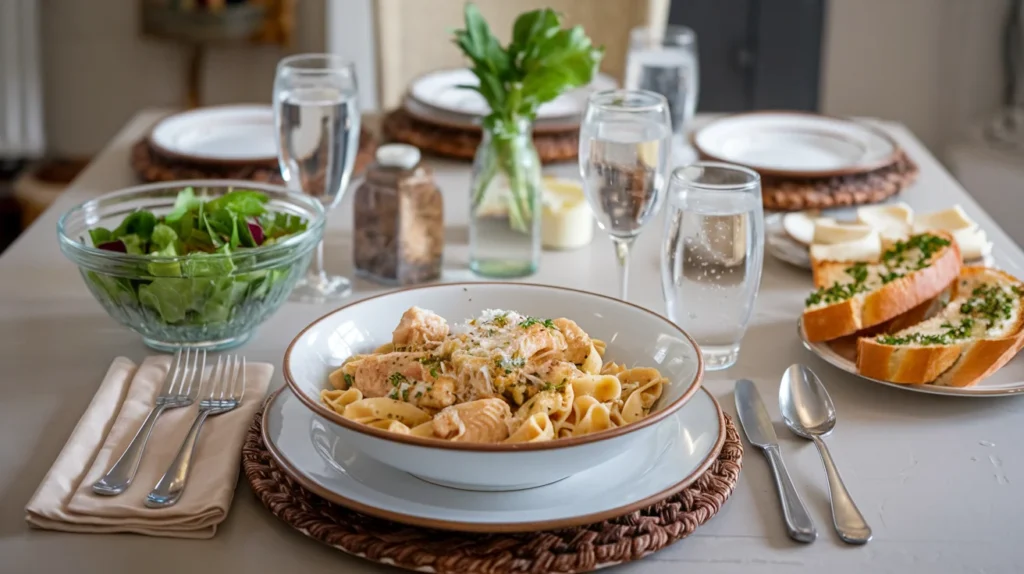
(197,263)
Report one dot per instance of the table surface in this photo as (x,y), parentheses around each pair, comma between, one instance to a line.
(938,478)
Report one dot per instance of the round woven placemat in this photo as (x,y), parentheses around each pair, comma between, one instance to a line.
(150,166)
(782,194)
(457,143)
(571,550)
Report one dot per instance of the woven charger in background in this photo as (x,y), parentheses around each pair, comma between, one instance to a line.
(570,550)
(786,194)
(460,143)
(151,166)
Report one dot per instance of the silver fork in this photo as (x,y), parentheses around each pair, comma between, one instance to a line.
(185,374)
(226,392)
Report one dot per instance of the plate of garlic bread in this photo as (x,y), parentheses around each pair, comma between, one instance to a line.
(919,319)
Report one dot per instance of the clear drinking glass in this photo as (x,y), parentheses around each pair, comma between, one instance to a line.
(317,125)
(669,67)
(625,142)
(712,255)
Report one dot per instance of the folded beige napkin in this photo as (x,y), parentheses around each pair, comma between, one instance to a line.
(65,501)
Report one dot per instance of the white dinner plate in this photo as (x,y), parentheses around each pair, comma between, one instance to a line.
(243,133)
(317,456)
(793,144)
(1006,381)
(441,90)
(783,247)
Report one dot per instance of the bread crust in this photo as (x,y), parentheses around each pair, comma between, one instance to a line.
(887,302)
(957,365)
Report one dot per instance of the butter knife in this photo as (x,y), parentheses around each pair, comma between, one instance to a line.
(758,428)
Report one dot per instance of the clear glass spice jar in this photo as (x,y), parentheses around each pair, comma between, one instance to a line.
(398,219)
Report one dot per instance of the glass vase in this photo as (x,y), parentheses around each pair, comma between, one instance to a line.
(504,217)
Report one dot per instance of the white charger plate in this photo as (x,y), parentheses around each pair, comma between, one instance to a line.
(315,455)
(218,134)
(1005,382)
(440,90)
(795,144)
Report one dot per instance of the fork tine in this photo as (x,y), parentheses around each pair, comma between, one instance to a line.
(197,373)
(172,383)
(240,395)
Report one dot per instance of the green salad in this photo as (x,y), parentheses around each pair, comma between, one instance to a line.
(197,270)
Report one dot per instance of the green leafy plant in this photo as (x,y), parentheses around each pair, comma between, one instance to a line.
(542,61)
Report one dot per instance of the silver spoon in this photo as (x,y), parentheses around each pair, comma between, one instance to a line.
(809,413)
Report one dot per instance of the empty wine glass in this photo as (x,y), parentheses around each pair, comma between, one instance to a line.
(317,125)
(625,142)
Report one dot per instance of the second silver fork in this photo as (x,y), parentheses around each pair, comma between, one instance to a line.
(226,392)
(185,375)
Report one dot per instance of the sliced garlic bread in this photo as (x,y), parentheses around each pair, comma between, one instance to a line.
(978,332)
(855,296)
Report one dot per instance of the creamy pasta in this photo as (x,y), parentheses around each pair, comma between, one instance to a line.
(502,377)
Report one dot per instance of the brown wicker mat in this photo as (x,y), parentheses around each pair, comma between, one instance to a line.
(580,549)
(461,144)
(150,166)
(784,194)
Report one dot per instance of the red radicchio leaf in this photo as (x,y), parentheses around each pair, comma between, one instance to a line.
(257,232)
(117,245)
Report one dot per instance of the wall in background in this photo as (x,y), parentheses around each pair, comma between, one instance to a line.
(98,70)
(933,64)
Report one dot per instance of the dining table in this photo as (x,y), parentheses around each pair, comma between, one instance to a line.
(940,479)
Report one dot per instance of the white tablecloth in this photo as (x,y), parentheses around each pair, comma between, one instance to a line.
(939,479)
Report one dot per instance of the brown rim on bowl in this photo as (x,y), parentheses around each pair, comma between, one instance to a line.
(336,498)
(797,173)
(317,407)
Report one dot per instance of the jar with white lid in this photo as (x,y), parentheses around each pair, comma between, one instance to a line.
(398,222)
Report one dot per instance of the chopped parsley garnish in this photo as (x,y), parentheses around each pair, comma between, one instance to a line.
(397,379)
(836,293)
(508,365)
(951,333)
(531,321)
(348,381)
(500,320)
(926,243)
(553,387)
(432,364)
(858,271)
(990,303)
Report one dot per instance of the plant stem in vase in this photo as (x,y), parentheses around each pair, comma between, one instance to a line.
(542,61)
(504,227)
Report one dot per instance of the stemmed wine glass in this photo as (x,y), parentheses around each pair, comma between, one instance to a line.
(316,116)
(625,142)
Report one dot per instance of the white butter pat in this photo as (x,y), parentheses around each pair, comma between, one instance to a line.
(950,219)
(800,225)
(566,220)
(893,222)
(866,248)
(831,232)
(971,239)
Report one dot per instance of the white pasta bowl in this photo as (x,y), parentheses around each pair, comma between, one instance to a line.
(635,337)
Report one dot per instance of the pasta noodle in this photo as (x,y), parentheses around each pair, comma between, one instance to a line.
(502,377)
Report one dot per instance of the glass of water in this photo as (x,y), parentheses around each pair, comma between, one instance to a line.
(712,255)
(668,66)
(625,141)
(316,116)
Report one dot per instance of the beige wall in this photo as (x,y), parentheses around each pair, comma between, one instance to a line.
(98,70)
(930,63)
(933,64)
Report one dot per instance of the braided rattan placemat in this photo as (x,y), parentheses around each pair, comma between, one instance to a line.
(458,143)
(580,549)
(784,194)
(150,166)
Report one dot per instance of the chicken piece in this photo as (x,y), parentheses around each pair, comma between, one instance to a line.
(434,395)
(419,328)
(484,420)
(539,340)
(577,341)
(377,375)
